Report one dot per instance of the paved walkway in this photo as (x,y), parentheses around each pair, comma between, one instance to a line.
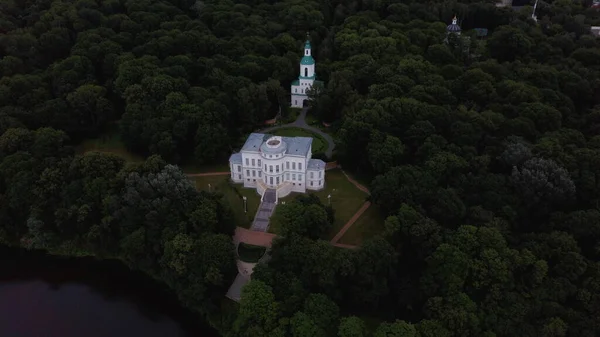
(253,237)
(350,222)
(355,217)
(345,246)
(270,195)
(300,122)
(357,184)
(235,290)
(245,270)
(261,219)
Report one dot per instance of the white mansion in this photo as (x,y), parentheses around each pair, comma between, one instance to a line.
(307,78)
(282,164)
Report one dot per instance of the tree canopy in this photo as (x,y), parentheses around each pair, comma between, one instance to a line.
(482,152)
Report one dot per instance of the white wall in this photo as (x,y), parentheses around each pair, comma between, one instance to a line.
(306,83)
(298,101)
(251,172)
(301,89)
(236,174)
(315,180)
(292,170)
(309,67)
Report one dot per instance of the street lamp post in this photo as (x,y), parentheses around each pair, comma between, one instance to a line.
(329,199)
(209,187)
(245,207)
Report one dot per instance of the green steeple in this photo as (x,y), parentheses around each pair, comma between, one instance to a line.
(307,43)
(307,60)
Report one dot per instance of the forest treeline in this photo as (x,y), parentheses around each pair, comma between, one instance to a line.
(484,154)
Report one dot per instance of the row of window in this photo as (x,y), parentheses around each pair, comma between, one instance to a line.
(293,178)
(287,166)
(253,173)
(312,174)
(253,162)
(287,176)
(270,167)
(277,180)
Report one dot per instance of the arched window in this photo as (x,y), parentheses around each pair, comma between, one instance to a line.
(306,72)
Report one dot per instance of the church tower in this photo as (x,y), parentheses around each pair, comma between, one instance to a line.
(453,28)
(306,79)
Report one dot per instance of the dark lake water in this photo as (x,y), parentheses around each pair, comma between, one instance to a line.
(45,296)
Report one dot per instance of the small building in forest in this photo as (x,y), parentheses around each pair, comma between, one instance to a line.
(306,80)
(453,28)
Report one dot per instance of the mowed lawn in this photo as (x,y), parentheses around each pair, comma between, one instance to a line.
(346,199)
(197,168)
(109,142)
(235,201)
(318,145)
(370,223)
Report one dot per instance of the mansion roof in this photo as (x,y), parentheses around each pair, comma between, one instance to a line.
(236,158)
(296,146)
(315,164)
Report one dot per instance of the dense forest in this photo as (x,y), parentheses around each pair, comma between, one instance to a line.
(483,153)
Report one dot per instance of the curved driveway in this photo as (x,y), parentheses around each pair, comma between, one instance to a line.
(300,122)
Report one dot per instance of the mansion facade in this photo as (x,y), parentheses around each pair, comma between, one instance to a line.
(283,164)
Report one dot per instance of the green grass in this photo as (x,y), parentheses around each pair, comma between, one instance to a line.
(221,184)
(370,223)
(318,145)
(346,199)
(312,120)
(109,142)
(250,253)
(292,114)
(198,168)
(315,122)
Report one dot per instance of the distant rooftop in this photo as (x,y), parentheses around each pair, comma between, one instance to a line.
(316,164)
(236,158)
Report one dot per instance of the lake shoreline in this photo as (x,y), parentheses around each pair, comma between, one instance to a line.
(19,264)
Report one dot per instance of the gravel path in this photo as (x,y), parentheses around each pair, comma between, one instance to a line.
(300,122)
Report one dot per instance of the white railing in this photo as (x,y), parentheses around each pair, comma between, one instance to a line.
(284,189)
(261,188)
